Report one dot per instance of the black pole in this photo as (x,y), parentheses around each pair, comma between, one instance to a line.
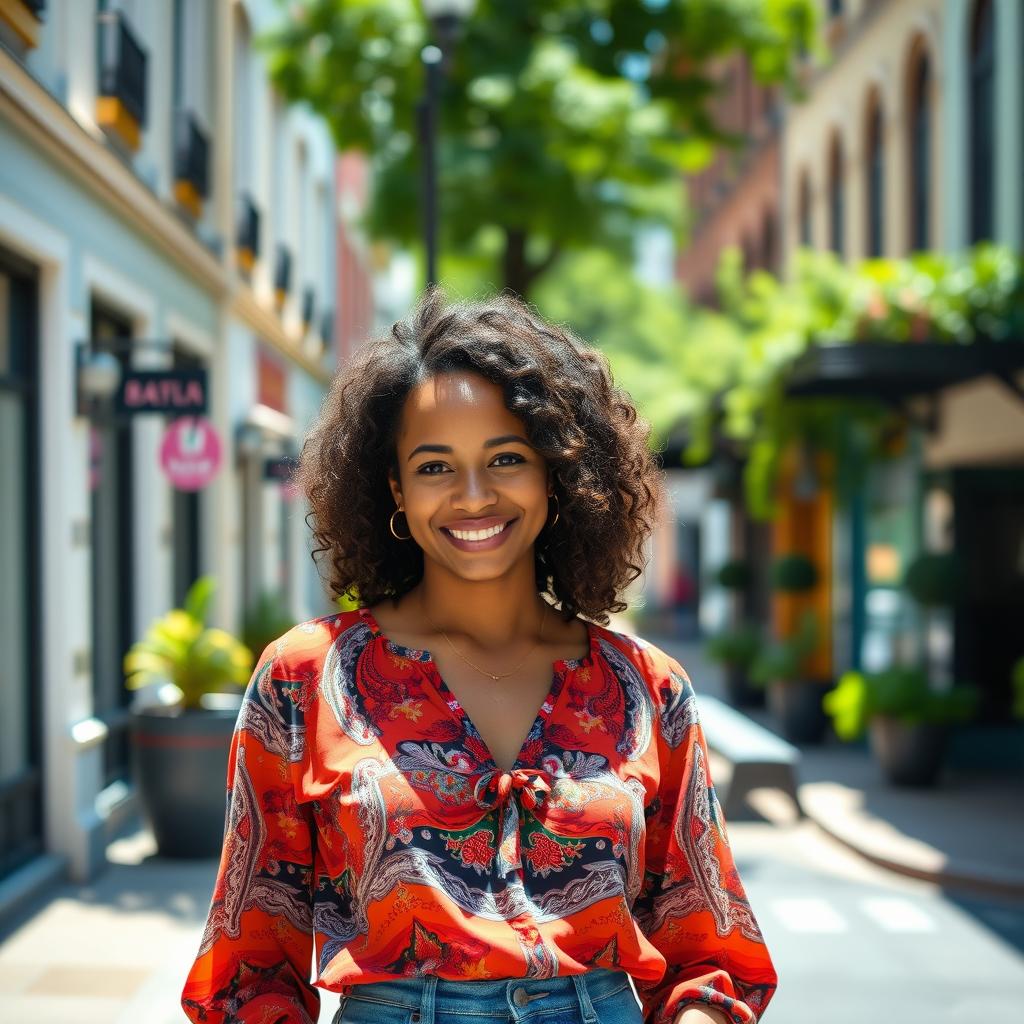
(427,120)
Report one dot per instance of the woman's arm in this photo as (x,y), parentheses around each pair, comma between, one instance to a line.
(692,906)
(255,956)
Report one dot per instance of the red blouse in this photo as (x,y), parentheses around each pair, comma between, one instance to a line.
(366,815)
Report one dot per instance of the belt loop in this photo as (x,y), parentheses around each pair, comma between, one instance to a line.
(586,1006)
(425,1014)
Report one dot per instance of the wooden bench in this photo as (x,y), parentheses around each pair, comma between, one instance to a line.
(759,758)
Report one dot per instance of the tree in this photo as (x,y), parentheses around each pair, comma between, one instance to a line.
(563,123)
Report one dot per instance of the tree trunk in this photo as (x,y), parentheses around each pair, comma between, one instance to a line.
(519,274)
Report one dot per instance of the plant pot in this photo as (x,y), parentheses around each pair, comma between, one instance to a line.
(796,705)
(910,753)
(181,763)
(738,689)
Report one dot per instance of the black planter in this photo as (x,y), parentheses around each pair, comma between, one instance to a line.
(910,754)
(739,691)
(796,705)
(181,763)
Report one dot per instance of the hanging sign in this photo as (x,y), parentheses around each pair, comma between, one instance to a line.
(190,453)
(280,468)
(179,392)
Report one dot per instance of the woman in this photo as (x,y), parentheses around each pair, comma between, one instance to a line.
(477,805)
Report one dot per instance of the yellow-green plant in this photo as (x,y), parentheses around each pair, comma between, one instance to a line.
(179,648)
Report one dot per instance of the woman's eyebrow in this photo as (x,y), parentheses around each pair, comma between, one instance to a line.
(491,443)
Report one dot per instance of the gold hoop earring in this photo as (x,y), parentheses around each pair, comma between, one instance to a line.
(391,524)
(555,520)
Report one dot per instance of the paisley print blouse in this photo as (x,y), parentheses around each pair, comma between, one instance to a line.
(367,819)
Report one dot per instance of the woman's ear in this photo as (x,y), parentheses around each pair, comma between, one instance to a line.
(396,488)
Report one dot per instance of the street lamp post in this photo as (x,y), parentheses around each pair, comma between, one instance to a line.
(446,17)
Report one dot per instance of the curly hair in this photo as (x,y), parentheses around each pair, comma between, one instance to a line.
(607,479)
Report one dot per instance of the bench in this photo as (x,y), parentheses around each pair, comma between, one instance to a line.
(759,758)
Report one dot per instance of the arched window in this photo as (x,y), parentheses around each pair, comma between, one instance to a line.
(919,146)
(804,209)
(769,242)
(874,167)
(982,124)
(836,196)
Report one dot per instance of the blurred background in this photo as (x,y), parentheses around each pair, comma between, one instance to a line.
(795,228)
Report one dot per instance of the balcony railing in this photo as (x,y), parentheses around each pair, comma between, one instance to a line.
(23,17)
(282,273)
(247,233)
(121,104)
(191,162)
(308,304)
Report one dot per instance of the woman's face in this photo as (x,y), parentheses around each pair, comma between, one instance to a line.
(467,471)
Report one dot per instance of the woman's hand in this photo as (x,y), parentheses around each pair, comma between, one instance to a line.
(694,1014)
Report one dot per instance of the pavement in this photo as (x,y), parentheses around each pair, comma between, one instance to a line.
(116,950)
(967,833)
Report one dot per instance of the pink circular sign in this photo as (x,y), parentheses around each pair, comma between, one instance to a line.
(190,453)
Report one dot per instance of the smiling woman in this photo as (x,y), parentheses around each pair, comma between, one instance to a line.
(463,793)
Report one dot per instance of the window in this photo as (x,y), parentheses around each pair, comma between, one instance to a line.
(982,126)
(919,145)
(769,236)
(874,152)
(804,209)
(836,196)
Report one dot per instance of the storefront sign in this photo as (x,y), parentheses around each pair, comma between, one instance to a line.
(190,453)
(179,392)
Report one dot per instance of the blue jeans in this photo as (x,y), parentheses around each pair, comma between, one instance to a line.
(600,996)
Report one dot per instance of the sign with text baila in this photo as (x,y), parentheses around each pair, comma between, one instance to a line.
(180,392)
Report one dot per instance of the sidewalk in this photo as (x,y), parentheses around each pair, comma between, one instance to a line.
(968,832)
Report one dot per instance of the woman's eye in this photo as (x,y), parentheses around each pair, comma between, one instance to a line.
(510,455)
(427,468)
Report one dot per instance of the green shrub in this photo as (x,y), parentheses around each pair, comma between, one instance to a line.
(783,660)
(794,573)
(897,692)
(737,647)
(736,574)
(265,620)
(933,580)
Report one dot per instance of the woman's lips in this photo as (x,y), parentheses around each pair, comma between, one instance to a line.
(487,544)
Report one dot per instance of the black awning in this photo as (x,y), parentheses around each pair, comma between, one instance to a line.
(893,371)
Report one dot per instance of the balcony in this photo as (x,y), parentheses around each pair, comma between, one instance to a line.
(23,19)
(247,234)
(282,274)
(121,96)
(191,163)
(308,305)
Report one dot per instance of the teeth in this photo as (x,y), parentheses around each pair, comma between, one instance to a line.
(477,534)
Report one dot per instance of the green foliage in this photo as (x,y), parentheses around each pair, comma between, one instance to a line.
(737,646)
(266,619)
(562,124)
(179,648)
(1017,708)
(897,692)
(794,573)
(736,574)
(783,660)
(934,580)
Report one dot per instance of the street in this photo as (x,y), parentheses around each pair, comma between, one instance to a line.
(850,941)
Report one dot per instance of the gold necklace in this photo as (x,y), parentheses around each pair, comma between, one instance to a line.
(540,635)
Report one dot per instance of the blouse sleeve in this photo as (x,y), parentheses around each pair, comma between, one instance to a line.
(692,906)
(255,956)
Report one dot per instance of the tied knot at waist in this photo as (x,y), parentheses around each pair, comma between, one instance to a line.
(494,787)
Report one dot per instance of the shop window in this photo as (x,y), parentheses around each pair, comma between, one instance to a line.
(982,121)
(874,151)
(836,197)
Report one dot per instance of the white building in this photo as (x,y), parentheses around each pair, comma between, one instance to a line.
(159,202)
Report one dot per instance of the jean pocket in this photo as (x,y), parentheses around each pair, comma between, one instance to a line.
(356,1010)
(619,1008)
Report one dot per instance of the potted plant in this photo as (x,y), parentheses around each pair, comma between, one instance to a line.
(182,741)
(793,699)
(907,721)
(735,647)
(265,620)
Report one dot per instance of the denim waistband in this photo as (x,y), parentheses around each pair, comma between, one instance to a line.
(503,997)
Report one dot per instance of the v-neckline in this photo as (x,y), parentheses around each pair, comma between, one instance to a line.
(560,668)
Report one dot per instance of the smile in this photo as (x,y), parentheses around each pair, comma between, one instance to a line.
(477,540)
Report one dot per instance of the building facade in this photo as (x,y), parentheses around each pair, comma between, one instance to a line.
(160,208)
